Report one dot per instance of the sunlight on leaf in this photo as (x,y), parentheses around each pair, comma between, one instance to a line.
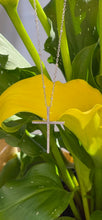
(15,59)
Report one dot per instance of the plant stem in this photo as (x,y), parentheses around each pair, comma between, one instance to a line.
(42,16)
(65,175)
(64,43)
(100,33)
(74,178)
(98,188)
(64,172)
(83,191)
(12,13)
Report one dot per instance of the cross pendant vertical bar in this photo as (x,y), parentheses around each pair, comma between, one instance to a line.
(48,129)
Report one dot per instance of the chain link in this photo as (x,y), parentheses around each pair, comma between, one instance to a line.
(57,58)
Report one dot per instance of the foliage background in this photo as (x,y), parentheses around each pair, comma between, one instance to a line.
(27,16)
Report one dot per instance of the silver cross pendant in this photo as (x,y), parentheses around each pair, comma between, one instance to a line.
(48,123)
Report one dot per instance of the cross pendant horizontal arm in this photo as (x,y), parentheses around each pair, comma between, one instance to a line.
(48,123)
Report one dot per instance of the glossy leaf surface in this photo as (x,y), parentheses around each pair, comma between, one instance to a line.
(38,195)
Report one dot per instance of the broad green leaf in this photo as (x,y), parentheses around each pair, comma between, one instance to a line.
(81,22)
(10,171)
(15,59)
(38,195)
(96,215)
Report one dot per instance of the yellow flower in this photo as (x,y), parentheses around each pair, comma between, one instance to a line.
(75,102)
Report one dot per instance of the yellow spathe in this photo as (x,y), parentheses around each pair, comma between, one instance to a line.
(27,95)
(75,102)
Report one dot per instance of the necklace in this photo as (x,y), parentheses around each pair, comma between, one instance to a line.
(48,122)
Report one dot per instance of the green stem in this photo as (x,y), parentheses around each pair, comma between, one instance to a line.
(64,43)
(65,175)
(12,13)
(98,188)
(42,16)
(75,181)
(83,191)
(100,33)
(64,172)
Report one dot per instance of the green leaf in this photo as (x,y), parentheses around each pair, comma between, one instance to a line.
(99,80)
(81,16)
(81,27)
(73,146)
(3,60)
(51,43)
(10,171)
(18,133)
(31,147)
(65,218)
(96,215)
(15,59)
(84,174)
(39,195)
(11,139)
(81,63)
(9,77)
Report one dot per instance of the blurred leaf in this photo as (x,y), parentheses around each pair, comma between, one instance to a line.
(84,174)
(39,195)
(11,139)
(65,218)
(96,215)
(72,145)
(99,81)
(15,59)
(3,60)
(31,147)
(81,27)
(10,171)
